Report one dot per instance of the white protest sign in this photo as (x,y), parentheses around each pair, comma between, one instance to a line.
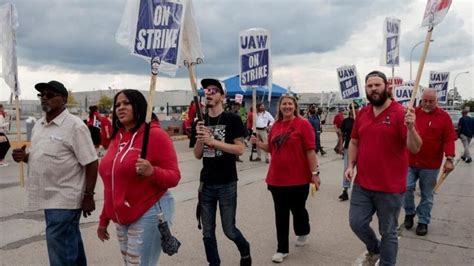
(348,82)
(8,26)
(153,29)
(403,94)
(435,12)
(439,81)
(391,42)
(255,63)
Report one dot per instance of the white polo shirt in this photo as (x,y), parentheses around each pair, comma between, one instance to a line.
(59,152)
(264,119)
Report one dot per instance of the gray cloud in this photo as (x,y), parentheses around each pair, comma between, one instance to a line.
(450,41)
(80,35)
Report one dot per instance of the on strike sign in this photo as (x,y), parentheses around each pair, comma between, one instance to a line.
(158,30)
(348,82)
(254,51)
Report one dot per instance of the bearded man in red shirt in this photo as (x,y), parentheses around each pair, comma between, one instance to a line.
(382,135)
(437,132)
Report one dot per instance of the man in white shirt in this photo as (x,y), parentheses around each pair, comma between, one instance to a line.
(263,123)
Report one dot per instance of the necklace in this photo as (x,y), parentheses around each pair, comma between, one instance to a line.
(218,119)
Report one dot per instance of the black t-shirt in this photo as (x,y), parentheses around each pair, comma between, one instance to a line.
(346,129)
(219,166)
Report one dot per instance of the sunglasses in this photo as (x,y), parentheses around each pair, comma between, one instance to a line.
(48,95)
(211,90)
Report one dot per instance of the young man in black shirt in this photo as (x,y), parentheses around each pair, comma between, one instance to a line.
(219,141)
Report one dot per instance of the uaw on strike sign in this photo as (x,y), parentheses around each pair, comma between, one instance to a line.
(254,51)
(348,82)
(439,81)
(391,42)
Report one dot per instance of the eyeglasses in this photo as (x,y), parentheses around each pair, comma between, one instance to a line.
(211,90)
(48,95)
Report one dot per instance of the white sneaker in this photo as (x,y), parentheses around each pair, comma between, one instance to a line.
(301,240)
(3,163)
(278,257)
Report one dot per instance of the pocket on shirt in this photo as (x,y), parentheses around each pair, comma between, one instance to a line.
(53,149)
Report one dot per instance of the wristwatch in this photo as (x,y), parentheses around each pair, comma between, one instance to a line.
(449,158)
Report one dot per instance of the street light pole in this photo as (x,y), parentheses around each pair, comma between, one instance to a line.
(411,54)
(457,75)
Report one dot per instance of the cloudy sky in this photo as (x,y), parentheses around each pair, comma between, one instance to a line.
(74,42)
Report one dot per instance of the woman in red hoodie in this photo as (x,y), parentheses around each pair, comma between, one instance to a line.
(136,190)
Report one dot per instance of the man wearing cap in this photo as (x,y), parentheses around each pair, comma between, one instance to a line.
(62,172)
(437,132)
(220,138)
(465,131)
(381,137)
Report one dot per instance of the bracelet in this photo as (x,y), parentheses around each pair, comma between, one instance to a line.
(316,173)
(89,193)
(449,158)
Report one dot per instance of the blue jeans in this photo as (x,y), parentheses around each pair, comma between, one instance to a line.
(226,196)
(427,178)
(140,242)
(364,203)
(345,183)
(63,237)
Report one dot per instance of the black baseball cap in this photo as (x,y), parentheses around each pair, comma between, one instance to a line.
(207,82)
(54,86)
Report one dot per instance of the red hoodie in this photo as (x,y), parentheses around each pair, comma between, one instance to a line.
(438,135)
(128,196)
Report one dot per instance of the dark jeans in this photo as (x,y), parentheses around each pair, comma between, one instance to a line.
(364,203)
(4,147)
(288,199)
(226,196)
(63,237)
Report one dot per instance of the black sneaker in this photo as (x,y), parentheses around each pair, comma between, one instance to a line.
(322,152)
(344,196)
(246,261)
(422,229)
(468,160)
(408,223)
(463,158)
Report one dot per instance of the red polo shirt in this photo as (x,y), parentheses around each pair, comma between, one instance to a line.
(382,158)
(438,135)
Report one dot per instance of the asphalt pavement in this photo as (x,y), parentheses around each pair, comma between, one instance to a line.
(331,242)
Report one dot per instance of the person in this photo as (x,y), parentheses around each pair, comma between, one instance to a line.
(62,173)
(249,122)
(337,121)
(219,141)
(380,137)
(437,133)
(93,123)
(346,130)
(105,131)
(136,189)
(4,142)
(321,122)
(263,123)
(236,110)
(465,132)
(314,121)
(294,166)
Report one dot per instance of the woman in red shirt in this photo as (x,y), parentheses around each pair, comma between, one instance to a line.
(136,190)
(293,167)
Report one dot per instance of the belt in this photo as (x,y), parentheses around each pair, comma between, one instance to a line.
(261,128)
